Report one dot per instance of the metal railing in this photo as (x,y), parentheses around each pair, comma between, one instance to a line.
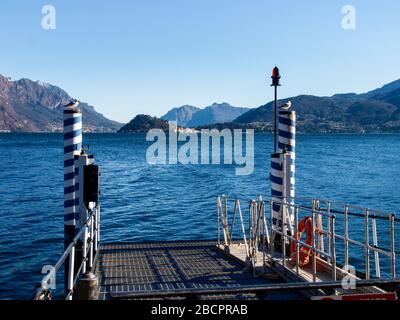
(315,250)
(256,234)
(367,219)
(223,222)
(331,242)
(89,238)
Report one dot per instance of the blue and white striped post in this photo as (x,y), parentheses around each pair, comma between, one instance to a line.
(287,141)
(276,190)
(72,147)
(283,168)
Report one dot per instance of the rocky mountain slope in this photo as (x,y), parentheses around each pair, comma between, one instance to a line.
(189,116)
(28,106)
(182,115)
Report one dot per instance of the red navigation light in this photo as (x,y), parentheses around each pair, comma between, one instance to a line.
(275,77)
(275,72)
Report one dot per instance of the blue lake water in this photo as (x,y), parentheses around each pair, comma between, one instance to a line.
(167,202)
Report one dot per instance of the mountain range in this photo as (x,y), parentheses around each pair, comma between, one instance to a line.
(190,116)
(34,106)
(377,110)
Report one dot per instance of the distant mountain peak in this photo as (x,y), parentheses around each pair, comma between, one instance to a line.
(189,106)
(182,115)
(190,116)
(43,84)
(186,106)
(36,106)
(221,104)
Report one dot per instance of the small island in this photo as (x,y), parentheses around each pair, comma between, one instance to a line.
(143,123)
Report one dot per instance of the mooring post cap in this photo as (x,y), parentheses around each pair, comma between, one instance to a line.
(88,276)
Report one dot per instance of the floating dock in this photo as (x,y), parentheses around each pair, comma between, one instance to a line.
(180,269)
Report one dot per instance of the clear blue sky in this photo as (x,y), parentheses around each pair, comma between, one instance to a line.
(130,57)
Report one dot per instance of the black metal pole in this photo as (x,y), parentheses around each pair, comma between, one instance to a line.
(276,107)
(275,83)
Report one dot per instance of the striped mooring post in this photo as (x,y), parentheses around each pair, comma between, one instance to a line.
(287,141)
(72,147)
(276,189)
(283,179)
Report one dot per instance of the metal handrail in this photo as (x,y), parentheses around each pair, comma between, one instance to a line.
(332,236)
(257,223)
(321,211)
(377,214)
(222,220)
(257,233)
(90,248)
(332,202)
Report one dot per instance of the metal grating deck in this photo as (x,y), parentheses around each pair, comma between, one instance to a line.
(166,266)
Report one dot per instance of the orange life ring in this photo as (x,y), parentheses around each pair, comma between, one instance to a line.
(304,252)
